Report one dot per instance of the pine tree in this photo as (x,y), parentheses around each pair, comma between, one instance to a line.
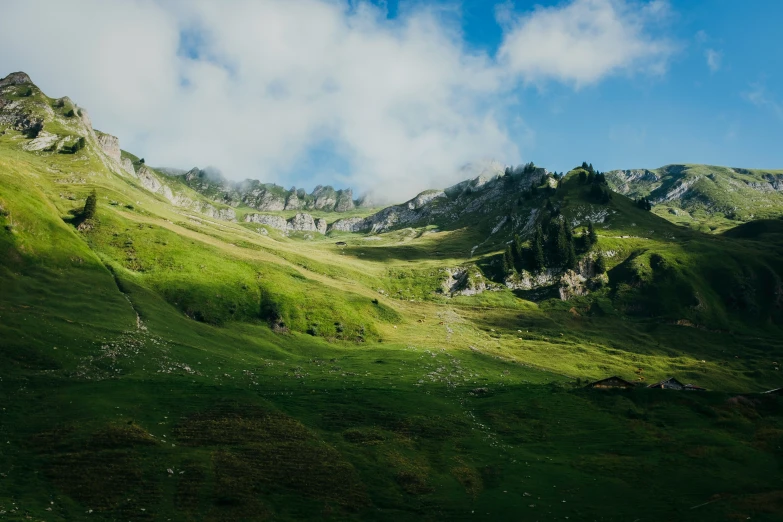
(592,237)
(508,261)
(561,244)
(600,264)
(570,262)
(518,253)
(90,206)
(537,261)
(582,177)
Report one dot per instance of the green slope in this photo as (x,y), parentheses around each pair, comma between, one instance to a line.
(161,365)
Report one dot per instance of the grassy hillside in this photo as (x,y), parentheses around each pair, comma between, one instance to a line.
(158,364)
(705,197)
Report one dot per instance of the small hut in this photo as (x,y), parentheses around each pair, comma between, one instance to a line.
(693,387)
(611,382)
(669,384)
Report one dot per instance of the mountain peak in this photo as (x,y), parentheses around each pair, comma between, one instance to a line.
(15,78)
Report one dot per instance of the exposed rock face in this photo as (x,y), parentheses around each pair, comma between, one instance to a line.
(325,197)
(354,224)
(624,178)
(529,281)
(275,222)
(266,197)
(127,166)
(110,145)
(466,281)
(572,284)
(424,198)
(149,180)
(15,115)
(292,203)
(301,222)
(775,182)
(44,141)
(344,201)
(16,78)
(262,199)
(678,191)
(470,196)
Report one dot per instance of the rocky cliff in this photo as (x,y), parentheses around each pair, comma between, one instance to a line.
(301,222)
(267,197)
(478,196)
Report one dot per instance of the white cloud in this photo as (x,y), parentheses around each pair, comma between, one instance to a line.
(584,41)
(714,59)
(758,96)
(403,102)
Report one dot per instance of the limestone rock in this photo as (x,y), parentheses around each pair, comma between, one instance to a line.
(265,200)
(127,166)
(275,222)
(110,145)
(301,223)
(16,78)
(325,198)
(293,202)
(44,141)
(148,180)
(344,201)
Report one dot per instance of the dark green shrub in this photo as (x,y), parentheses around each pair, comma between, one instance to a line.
(600,264)
(90,206)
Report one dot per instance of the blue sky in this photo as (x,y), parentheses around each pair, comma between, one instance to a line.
(727,114)
(392,98)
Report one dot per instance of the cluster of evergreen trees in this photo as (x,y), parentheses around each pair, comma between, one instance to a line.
(556,248)
(599,188)
(527,168)
(644,204)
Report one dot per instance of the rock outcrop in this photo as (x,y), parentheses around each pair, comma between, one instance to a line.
(476,196)
(276,222)
(127,166)
(467,280)
(15,78)
(110,145)
(267,197)
(301,222)
(292,202)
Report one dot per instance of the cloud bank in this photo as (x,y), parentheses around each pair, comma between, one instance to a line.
(290,91)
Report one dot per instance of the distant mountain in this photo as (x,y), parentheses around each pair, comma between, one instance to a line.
(266,196)
(704,193)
